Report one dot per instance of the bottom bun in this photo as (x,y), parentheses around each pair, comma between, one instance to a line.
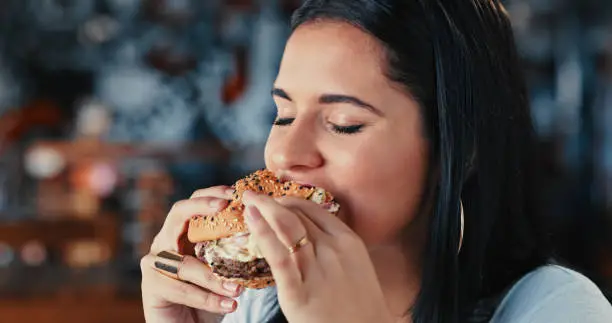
(255,283)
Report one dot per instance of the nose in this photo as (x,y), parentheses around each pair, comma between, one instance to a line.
(294,148)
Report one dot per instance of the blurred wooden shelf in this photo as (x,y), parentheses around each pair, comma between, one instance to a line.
(55,233)
(90,309)
(60,294)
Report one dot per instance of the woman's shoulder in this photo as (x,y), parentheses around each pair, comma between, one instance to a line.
(254,306)
(554,293)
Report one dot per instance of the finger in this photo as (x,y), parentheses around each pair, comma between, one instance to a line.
(289,227)
(183,210)
(306,255)
(284,269)
(323,249)
(314,231)
(285,223)
(178,292)
(222,192)
(324,220)
(203,202)
(191,270)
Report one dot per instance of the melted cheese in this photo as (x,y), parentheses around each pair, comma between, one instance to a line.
(240,246)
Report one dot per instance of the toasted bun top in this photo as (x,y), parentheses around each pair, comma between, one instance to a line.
(230,221)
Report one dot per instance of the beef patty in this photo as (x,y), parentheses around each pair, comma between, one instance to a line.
(231,268)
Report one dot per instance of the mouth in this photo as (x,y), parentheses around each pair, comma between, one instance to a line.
(283,176)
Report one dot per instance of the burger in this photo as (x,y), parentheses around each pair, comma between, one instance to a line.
(222,241)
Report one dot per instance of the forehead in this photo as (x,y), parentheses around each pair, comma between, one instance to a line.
(331,56)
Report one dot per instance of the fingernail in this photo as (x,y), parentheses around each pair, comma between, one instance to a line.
(229,192)
(232,287)
(227,304)
(252,215)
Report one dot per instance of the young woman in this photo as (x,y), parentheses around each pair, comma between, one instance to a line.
(415,115)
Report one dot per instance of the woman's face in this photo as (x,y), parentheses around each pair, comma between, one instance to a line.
(344,126)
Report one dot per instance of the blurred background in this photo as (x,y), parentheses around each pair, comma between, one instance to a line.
(110,110)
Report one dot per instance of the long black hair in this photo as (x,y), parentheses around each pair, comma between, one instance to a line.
(458,59)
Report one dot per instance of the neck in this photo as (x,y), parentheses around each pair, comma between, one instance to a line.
(399,275)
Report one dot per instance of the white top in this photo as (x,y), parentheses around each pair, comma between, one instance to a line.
(548,294)
(554,294)
(254,306)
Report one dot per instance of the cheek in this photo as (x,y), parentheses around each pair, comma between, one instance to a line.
(383,198)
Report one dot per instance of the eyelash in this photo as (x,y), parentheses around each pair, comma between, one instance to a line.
(345,130)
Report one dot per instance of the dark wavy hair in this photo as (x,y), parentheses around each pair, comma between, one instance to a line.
(458,59)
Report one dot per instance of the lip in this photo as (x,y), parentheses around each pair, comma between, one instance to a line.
(286,178)
(302,183)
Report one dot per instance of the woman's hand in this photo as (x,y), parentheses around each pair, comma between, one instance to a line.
(198,293)
(330,278)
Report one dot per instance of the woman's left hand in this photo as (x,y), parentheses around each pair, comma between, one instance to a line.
(331,278)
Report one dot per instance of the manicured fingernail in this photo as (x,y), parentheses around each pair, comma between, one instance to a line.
(252,215)
(227,304)
(232,287)
(229,192)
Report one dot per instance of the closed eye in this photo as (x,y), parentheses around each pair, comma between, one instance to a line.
(283,121)
(346,130)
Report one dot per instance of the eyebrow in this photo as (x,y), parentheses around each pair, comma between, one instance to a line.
(333,98)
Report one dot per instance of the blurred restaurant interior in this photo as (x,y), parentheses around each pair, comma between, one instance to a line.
(110,110)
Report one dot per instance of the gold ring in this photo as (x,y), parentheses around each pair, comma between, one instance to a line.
(169,263)
(298,245)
